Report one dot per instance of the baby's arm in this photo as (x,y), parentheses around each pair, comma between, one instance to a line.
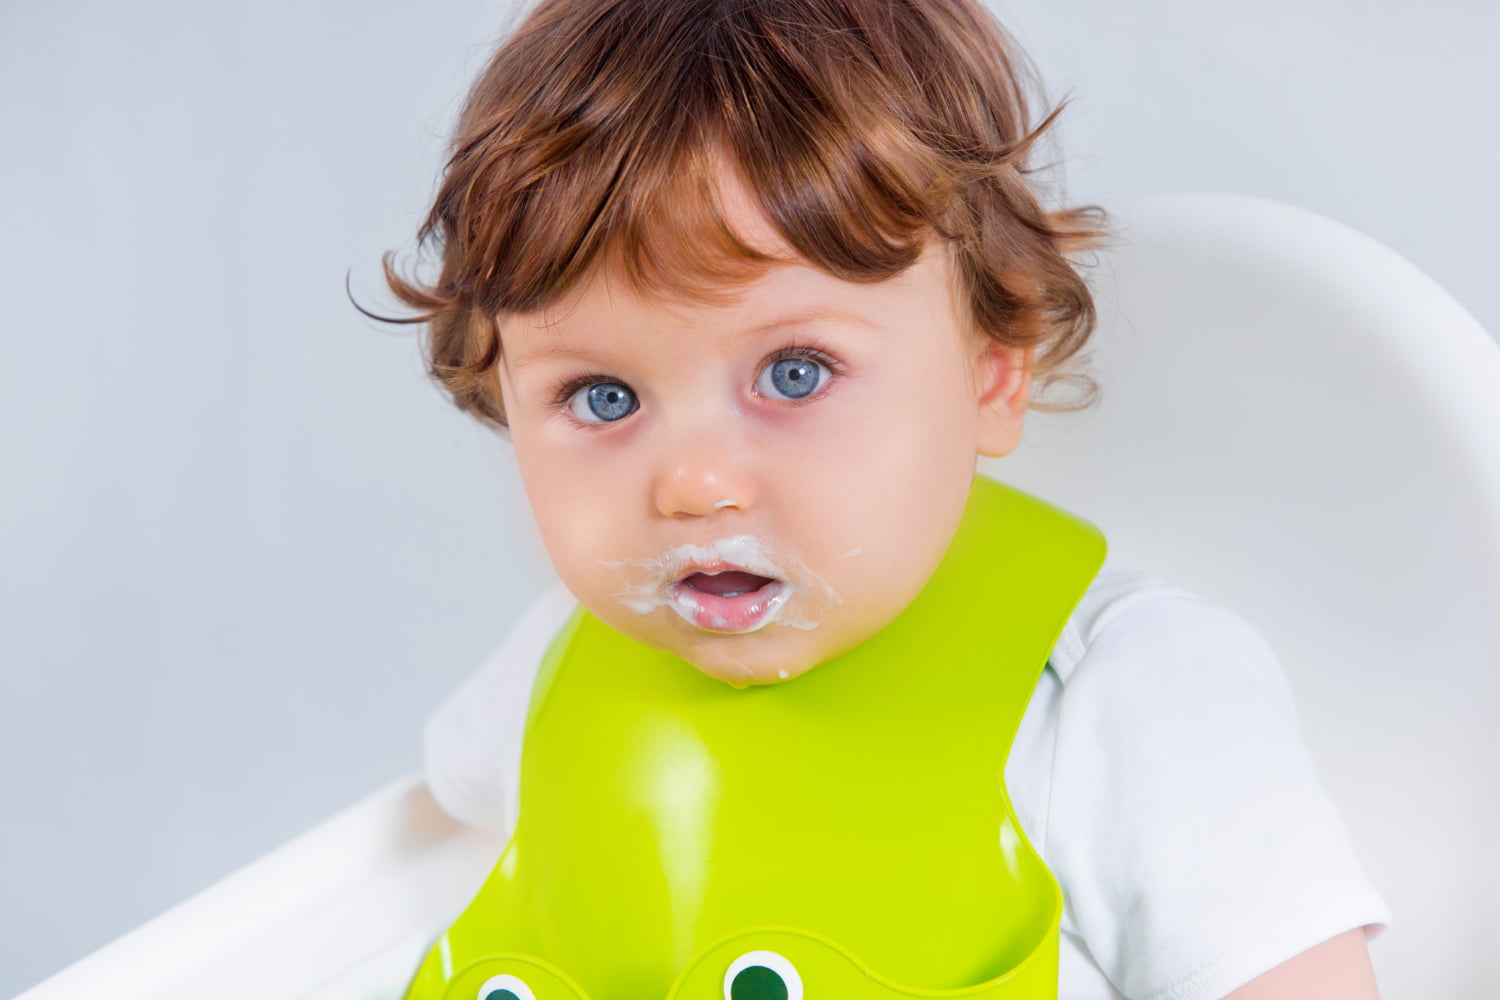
(1200,855)
(1337,969)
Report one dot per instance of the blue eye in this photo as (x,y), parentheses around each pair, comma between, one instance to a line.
(792,378)
(602,402)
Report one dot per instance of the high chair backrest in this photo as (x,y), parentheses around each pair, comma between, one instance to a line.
(1297,423)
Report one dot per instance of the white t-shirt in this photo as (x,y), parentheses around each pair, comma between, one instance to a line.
(1158,769)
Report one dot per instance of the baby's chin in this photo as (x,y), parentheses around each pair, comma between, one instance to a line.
(769,656)
(742,675)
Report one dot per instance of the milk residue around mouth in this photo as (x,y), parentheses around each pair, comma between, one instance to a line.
(805,601)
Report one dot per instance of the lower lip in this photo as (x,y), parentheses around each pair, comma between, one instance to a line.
(743,613)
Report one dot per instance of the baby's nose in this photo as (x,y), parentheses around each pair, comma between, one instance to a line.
(692,486)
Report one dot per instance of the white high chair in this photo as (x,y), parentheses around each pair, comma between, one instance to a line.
(1296,423)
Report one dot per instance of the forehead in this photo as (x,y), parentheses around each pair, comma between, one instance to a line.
(784,289)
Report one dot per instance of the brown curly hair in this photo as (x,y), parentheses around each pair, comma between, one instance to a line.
(862,126)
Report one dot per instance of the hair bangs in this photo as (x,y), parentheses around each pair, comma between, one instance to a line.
(828,195)
(639,137)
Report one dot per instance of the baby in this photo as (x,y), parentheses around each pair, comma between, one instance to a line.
(750,284)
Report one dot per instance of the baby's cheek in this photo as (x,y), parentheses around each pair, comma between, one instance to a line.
(575,537)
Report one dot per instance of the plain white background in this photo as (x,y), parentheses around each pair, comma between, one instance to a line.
(245,548)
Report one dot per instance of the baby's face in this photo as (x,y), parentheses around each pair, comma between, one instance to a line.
(761,486)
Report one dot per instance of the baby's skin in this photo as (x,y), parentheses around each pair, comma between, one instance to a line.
(759,482)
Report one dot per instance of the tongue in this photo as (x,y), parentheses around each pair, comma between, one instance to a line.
(728,583)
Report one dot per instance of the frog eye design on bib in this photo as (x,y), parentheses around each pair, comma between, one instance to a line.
(505,988)
(762,975)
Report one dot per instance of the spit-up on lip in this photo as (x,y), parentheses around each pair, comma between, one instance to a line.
(803,599)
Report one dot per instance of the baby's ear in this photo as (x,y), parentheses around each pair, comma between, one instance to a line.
(1003,380)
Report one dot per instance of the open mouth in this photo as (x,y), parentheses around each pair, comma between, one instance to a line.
(737,583)
(731,583)
(727,601)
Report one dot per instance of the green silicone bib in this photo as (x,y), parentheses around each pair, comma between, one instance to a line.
(844,835)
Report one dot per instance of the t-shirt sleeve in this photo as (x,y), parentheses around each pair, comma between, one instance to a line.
(1196,844)
(472,742)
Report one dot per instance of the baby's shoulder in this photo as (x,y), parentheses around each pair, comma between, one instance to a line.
(1134,627)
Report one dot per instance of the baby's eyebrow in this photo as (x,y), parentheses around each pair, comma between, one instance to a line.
(560,352)
(811,313)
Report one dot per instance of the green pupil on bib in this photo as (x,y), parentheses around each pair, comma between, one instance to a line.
(756,982)
(501,994)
